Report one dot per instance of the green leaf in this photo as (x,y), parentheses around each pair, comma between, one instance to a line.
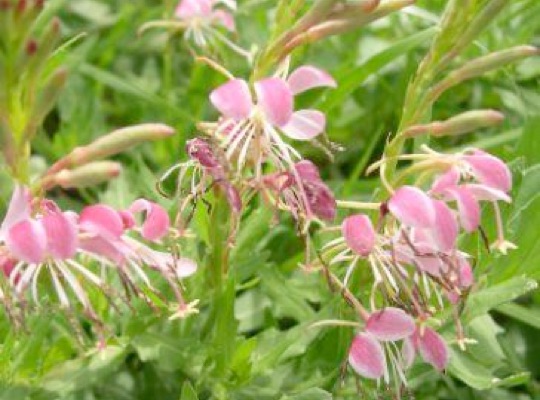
(484,300)
(354,77)
(188,392)
(311,394)
(520,313)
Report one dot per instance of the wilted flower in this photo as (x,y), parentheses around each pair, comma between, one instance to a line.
(302,192)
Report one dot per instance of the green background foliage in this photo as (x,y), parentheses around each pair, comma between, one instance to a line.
(118,78)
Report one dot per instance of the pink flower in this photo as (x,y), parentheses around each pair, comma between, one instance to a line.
(431,346)
(367,355)
(476,176)
(199,14)
(257,124)
(37,236)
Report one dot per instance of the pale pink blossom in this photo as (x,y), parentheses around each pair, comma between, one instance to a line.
(251,128)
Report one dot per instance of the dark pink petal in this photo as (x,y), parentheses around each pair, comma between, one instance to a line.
(412,207)
(18,209)
(233,99)
(309,77)
(233,197)
(468,207)
(62,239)
(225,18)
(307,171)
(157,222)
(433,349)
(408,352)
(102,220)
(201,151)
(366,356)
(27,241)
(305,125)
(490,170)
(276,100)
(448,180)
(446,226)
(321,200)
(358,232)
(193,8)
(390,324)
(487,193)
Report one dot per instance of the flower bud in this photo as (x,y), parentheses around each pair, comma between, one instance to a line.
(115,142)
(460,124)
(88,175)
(485,64)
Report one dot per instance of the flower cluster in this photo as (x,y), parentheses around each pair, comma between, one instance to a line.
(414,256)
(37,237)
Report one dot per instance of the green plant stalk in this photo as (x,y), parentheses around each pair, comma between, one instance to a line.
(223,288)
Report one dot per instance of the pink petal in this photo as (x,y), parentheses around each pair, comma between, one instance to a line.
(305,125)
(487,193)
(157,222)
(225,18)
(433,349)
(276,100)
(164,262)
(309,77)
(307,171)
(466,275)
(111,249)
(185,267)
(490,170)
(366,356)
(233,99)
(468,207)
(390,324)
(102,220)
(412,207)
(429,264)
(446,181)
(446,227)
(408,352)
(201,151)
(358,232)
(61,234)
(27,241)
(193,8)
(18,209)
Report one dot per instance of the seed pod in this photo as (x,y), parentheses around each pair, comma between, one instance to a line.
(115,142)
(460,124)
(88,175)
